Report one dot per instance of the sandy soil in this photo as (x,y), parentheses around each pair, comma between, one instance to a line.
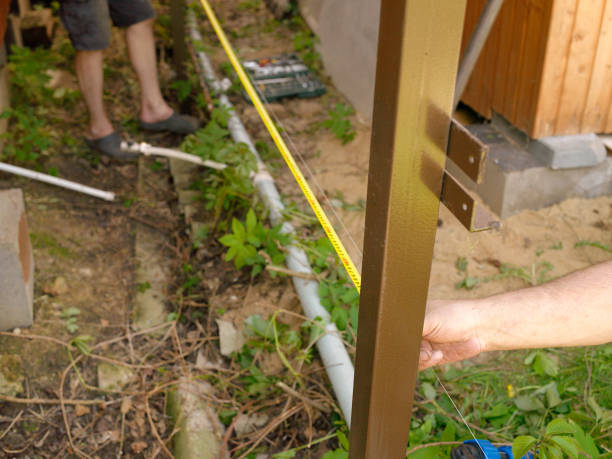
(338,175)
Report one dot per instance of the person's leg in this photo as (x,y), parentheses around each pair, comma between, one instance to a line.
(90,74)
(141,50)
(88,25)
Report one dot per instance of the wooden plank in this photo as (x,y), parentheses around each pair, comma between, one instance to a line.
(505,48)
(599,97)
(490,54)
(579,67)
(554,67)
(519,33)
(536,32)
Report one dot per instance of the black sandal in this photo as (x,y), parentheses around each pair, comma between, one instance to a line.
(110,145)
(175,123)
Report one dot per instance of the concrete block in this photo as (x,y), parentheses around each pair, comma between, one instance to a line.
(16,263)
(515,180)
(569,151)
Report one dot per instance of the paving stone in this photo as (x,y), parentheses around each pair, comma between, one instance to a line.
(199,432)
(16,263)
(113,378)
(183,173)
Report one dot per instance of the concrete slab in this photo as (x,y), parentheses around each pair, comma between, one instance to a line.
(198,431)
(569,151)
(152,271)
(16,263)
(515,180)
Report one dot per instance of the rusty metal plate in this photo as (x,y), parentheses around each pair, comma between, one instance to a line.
(463,206)
(466,151)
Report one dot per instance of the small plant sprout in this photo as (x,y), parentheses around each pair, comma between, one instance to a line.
(339,122)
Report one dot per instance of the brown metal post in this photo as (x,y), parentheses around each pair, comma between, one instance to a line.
(177,25)
(418,51)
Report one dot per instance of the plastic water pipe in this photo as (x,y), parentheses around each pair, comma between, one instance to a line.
(106,195)
(148,150)
(335,357)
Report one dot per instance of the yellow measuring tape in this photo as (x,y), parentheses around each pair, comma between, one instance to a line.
(280,143)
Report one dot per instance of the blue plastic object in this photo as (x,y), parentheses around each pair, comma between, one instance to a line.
(495,452)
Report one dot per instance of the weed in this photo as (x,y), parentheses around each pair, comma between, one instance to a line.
(304,42)
(70,316)
(596,244)
(143,287)
(183,89)
(339,122)
(80,343)
(28,137)
(229,190)
(249,4)
(468,282)
(50,243)
(248,239)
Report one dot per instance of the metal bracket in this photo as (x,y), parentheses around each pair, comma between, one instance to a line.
(468,153)
(463,206)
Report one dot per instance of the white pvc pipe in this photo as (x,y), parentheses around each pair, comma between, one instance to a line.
(330,346)
(148,150)
(106,195)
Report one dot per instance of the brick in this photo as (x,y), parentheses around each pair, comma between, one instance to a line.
(16,263)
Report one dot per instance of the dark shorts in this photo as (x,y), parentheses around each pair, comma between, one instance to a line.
(88,21)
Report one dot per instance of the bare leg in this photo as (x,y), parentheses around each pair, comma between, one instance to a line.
(88,66)
(141,49)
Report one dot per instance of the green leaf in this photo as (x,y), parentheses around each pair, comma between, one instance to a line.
(449,433)
(238,229)
(568,445)
(598,410)
(498,410)
(432,452)
(340,317)
(428,391)
(343,440)
(285,454)
(336,454)
(552,396)
(522,444)
(251,221)
(559,426)
(527,403)
(585,441)
(544,365)
(260,326)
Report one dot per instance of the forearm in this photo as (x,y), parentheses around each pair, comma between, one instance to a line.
(575,310)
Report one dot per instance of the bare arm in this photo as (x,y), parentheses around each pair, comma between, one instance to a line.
(575,310)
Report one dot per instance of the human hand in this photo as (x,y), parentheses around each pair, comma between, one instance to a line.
(450,333)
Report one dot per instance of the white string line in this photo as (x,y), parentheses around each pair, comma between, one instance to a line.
(296,151)
(460,415)
(285,133)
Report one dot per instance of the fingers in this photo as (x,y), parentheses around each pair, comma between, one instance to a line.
(433,353)
(430,359)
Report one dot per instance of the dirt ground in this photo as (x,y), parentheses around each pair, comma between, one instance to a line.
(338,175)
(89,244)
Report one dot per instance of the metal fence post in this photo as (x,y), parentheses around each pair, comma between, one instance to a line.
(418,51)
